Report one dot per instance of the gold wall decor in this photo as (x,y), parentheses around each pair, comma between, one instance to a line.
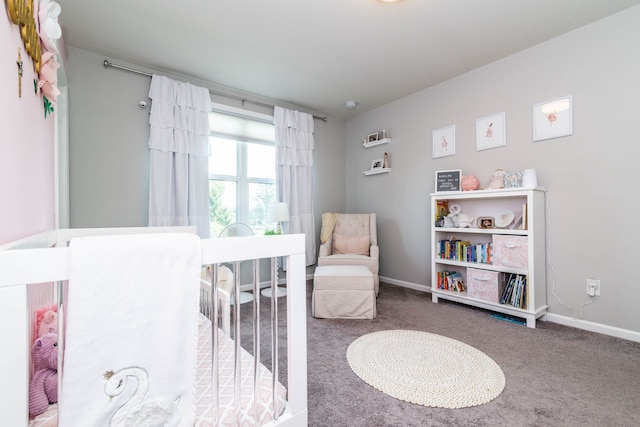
(22,14)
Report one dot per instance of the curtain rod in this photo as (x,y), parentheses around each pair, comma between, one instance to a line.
(108,64)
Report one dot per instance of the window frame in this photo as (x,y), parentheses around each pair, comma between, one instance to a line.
(241,179)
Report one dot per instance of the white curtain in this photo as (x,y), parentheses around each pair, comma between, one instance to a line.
(179,150)
(294,161)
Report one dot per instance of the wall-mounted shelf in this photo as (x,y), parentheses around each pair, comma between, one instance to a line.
(377,142)
(377,171)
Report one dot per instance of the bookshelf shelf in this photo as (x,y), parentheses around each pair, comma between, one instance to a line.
(511,253)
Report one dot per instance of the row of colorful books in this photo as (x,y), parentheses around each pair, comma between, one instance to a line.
(462,250)
(515,291)
(451,281)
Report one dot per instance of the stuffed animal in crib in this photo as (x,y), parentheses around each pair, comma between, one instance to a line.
(43,388)
(46,320)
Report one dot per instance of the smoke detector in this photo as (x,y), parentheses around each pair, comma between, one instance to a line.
(350,104)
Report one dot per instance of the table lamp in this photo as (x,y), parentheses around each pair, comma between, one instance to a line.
(278,212)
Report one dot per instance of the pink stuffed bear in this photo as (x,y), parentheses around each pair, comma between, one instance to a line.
(43,388)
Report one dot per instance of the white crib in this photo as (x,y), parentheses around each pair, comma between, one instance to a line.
(44,259)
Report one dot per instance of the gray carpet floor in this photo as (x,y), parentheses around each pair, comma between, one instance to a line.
(555,375)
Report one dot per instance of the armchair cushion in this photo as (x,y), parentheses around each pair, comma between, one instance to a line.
(358,245)
(351,259)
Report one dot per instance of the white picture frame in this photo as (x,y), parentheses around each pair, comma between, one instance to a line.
(491,132)
(553,119)
(444,142)
(377,164)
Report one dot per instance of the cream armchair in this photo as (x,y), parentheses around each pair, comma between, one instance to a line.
(350,239)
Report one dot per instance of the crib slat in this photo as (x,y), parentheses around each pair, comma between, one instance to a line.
(256,338)
(274,337)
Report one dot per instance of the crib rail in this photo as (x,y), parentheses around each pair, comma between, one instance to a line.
(20,266)
(216,251)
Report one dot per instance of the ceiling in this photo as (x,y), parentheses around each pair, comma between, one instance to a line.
(320,54)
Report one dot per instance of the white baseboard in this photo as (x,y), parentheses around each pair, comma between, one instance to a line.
(550,317)
(594,327)
(414,286)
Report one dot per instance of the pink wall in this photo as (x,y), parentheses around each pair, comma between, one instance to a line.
(27,204)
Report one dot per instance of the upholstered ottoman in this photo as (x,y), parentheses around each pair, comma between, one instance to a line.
(343,292)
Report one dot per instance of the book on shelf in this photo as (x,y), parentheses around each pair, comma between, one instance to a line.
(465,251)
(450,281)
(515,291)
(442,209)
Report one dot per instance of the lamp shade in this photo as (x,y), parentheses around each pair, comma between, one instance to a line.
(278,212)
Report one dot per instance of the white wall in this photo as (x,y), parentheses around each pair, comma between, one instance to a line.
(590,176)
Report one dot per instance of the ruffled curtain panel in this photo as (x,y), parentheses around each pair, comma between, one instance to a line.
(294,161)
(179,150)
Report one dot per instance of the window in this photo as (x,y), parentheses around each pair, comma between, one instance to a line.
(242,171)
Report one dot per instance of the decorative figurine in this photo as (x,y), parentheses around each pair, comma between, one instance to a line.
(497,180)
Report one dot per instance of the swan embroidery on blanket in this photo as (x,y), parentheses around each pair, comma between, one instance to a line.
(137,410)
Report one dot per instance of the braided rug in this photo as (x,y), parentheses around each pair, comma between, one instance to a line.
(425,369)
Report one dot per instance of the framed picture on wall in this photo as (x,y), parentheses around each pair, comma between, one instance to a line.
(553,119)
(377,164)
(444,141)
(490,132)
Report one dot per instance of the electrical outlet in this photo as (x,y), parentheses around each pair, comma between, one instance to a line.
(593,287)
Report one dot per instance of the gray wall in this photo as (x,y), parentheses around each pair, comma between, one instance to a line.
(109,160)
(589,176)
(108,154)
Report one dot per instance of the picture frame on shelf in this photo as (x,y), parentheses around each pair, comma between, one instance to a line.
(377,164)
(449,180)
(491,132)
(372,137)
(486,222)
(553,119)
(444,142)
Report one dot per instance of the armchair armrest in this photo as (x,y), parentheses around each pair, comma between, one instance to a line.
(324,251)
(326,248)
(374,252)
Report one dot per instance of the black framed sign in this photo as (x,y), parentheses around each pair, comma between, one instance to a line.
(448,180)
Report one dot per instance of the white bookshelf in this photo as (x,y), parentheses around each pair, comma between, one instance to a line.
(492,203)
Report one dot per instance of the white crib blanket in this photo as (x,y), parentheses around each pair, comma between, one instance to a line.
(131,330)
(204,399)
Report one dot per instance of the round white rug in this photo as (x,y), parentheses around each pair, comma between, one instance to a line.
(426,369)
